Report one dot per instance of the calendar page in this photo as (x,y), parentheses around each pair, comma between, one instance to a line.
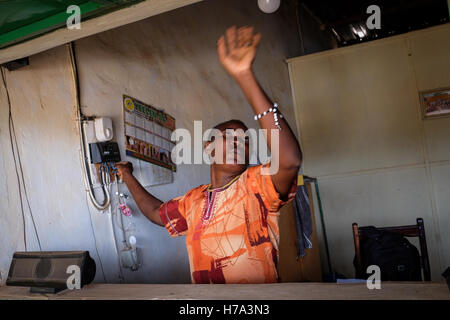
(147,133)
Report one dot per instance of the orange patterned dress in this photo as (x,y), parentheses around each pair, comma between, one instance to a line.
(232,232)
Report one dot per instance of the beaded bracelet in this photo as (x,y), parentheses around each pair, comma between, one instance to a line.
(275,112)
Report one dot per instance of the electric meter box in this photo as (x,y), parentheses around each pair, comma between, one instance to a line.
(104,152)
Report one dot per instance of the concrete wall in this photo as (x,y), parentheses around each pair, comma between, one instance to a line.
(168,61)
(378,162)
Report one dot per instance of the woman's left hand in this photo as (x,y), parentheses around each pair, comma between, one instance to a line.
(237,50)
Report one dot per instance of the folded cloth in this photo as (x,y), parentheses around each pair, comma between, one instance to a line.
(303,220)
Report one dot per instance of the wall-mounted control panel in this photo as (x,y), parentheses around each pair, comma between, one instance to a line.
(102,152)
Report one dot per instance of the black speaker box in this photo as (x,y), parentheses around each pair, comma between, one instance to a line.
(46,271)
(446,275)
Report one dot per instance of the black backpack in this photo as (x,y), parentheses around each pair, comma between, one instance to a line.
(397,258)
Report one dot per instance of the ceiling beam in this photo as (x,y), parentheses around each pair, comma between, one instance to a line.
(92,26)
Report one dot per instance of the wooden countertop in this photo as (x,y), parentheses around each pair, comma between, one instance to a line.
(278,291)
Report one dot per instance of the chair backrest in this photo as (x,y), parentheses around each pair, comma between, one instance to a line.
(417,230)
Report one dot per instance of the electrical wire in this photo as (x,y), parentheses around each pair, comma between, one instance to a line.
(84,158)
(117,210)
(12,132)
(25,187)
(15,163)
(130,226)
(95,239)
(105,180)
(121,277)
(119,215)
(299,28)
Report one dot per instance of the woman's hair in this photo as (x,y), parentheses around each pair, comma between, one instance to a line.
(223,125)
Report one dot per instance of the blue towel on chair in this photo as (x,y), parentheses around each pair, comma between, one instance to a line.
(303,221)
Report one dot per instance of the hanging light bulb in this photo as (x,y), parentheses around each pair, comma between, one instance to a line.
(269,6)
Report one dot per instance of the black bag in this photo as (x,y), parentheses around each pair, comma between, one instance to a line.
(397,258)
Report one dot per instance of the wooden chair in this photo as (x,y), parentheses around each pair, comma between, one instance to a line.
(417,230)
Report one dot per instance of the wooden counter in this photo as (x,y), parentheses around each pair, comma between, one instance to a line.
(281,291)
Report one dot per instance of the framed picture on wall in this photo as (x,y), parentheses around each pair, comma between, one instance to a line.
(435,103)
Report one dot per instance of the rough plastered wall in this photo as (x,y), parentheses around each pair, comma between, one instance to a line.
(42,99)
(168,61)
(377,160)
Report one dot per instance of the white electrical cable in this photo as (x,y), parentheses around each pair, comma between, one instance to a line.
(119,214)
(84,164)
(95,240)
(124,230)
(105,178)
(121,277)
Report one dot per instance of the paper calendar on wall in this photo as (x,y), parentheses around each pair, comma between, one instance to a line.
(147,133)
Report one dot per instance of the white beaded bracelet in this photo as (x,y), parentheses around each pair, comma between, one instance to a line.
(275,112)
